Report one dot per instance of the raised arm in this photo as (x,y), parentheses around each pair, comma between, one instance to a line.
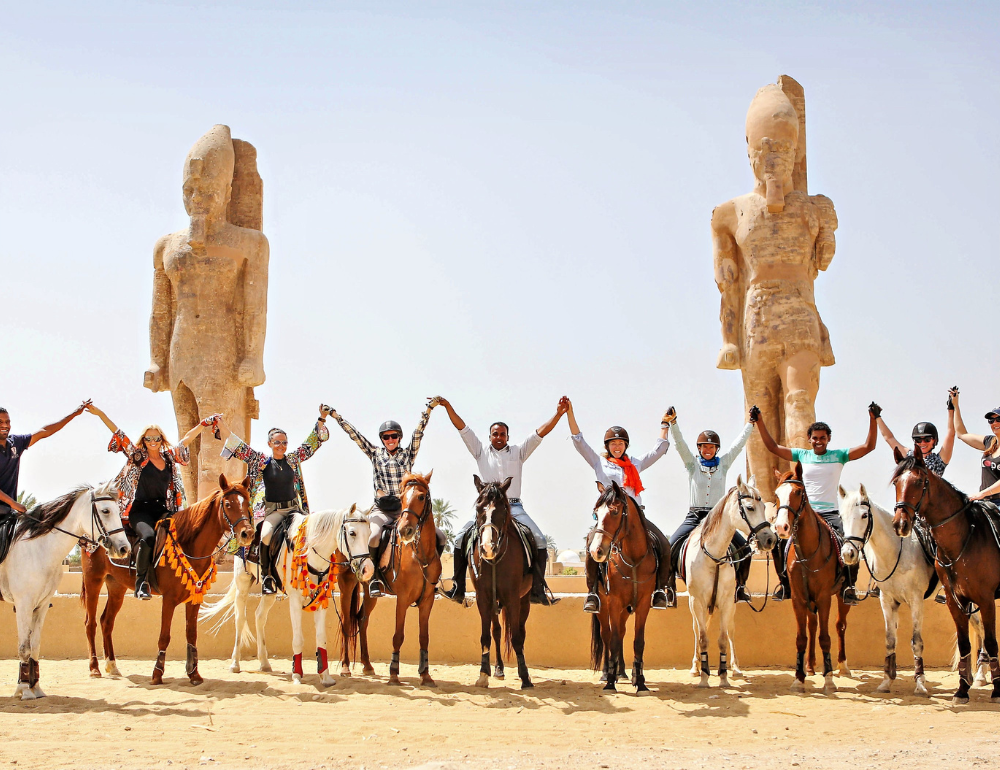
(874,411)
(948,445)
(737,446)
(974,440)
(108,422)
(889,438)
(580,443)
(675,433)
(546,427)
(57,426)
(457,421)
(364,444)
(237,448)
(418,432)
(316,436)
(776,449)
(161,324)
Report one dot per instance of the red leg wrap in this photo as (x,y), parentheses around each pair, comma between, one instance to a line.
(321,664)
(297,664)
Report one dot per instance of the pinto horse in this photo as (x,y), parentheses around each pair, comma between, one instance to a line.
(193,536)
(412,573)
(620,540)
(968,556)
(502,580)
(814,575)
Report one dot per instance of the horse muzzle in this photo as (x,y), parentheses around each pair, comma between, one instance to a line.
(902,526)
(598,553)
(849,554)
(117,546)
(365,570)
(782,530)
(407,533)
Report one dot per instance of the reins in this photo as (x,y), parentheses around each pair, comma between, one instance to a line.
(864,540)
(102,536)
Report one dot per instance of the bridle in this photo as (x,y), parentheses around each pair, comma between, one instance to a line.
(753,532)
(355,561)
(862,541)
(616,549)
(904,506)
(232,528)
(500,546)
(233,524)
(103,534)
(415,542)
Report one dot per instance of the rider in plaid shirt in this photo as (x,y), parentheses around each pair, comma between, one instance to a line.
(390,463)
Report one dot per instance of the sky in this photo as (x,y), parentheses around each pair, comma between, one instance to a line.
(500,203)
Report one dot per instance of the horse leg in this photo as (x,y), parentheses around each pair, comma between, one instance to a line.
(322,661)
(498,672)
(800,644)
(518,619)
(604,616)
(24,622)
(166,616)
(191,667)
(813,620)
(988,614)
(116,595)
(397,638)
(34,646)
(639,648)
(91,595)
(823,620)
(424,612)
(611,649)
(842,610)
(696,626)
(366,665)
(260,621)
(961,621)
(295,614)
(890,614)
(982,662)
(701,620)
(347,588)
(727,617)
(242,581)
(486,620)
(916,604)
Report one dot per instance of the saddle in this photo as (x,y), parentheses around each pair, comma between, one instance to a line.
(987,511)
(524,535)
(8,523)
(733,553)
(929,549)
(838,545)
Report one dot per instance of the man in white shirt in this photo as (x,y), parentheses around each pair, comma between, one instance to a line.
(498,461)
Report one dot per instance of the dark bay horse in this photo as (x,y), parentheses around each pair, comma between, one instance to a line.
(501,578)
(194,534)
(967,561)
(412,573)
(815,575)
(620,541)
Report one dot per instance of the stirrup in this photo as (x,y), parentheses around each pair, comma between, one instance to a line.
(454,594)
(375,588)
(267,586)
(543,598)
(592,604)
(941,598)
(142,591)
(876,592)
(780,594)
(660,601)
(742,595)
(850,597)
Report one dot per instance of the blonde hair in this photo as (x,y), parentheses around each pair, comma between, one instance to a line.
(165,446)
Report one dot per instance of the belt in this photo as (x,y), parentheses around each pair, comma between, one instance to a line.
(277,506)
(514,500)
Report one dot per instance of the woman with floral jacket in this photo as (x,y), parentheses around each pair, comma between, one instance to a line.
(149,486)
(276,486)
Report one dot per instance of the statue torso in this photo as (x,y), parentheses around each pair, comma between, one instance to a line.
(777,246)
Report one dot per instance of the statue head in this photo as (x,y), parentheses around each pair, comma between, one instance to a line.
(208,175)
(772,140)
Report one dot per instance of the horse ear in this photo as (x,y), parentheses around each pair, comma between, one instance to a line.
(506,484)
(739,480)
(223,481)
(427,478)
(841,492)
(777,474)
(798,471)
(246,482)
(752,481)
(897,455)
(864,492)
(918,454)
(479,482)
(601,487)
(614,486)
(354,507)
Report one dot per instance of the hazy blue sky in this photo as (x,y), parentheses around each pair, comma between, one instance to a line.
(500,203)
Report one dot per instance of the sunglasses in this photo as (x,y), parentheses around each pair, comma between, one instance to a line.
(993,419)
(152,439)
(924,439)
(279,443)
(390,436)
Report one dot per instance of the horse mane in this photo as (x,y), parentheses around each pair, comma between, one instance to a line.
(714,518)
(190,520)
(47,516)
(609,496)
(492,491)
(912,463)
(322,524)
(413,478)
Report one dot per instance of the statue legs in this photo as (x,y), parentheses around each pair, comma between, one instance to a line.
(762,387)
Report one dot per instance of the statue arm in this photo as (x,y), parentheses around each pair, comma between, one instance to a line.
(727,278)
(255,316)
(826,241)
(161,324)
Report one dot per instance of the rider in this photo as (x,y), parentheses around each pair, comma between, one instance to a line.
(149,486)
(497,461)
(12,448)
(925,434)
(389,464)
(821,469)
(989,488)
(615,465)
(707,480)
(277,488)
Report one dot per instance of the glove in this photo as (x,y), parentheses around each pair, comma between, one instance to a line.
(951,392)
(670,417)
(874,410)
(754,413)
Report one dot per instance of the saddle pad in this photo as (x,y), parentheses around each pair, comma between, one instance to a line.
(838,542)
(528,541)
(732,552)
(8,523)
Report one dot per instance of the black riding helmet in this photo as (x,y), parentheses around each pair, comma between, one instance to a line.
(615,432)
(389,425)
(922,429)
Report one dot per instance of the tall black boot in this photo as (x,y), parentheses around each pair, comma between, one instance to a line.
(457,591)
(783,590)
(376,586)
(267,585)
(143,556)
(592,603)
(664,575)
(851,597)
(538,592)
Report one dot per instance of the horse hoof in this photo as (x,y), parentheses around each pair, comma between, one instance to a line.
(483,681)
(393,679)
(296,679)
(845,671)
(95,673)
(704,682)
(498,673)
(737,674)
(921,691)
(327,681)
(980,680)
(641,689)
(724,682)
(995,699)
(526,684)
(38,692)
(345,673)
(829,688)
(810,671)
(610,687)
(886,686)
(960,700)
(27,694)
(695,671)
(234,668)
(265,666)
(797,686)
(196,679)
(157,677)
(368,671)
(426,681)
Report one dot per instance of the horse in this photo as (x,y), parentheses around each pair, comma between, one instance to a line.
(337,543)
(30,574)
(413,570)
(711,579)
(968,556)
(814,575)
(620,540)
(190,539)
(900,568)
(502,579)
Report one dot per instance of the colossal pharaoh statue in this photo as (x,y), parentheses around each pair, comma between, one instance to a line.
(768,248)
(206,332)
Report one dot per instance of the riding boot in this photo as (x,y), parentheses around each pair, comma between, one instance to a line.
(851,598)
(143,556)
(592,603)
(783,590)
(267,585)
(742,574)
(376,586)
(457,591)
(664,573)
(539,595)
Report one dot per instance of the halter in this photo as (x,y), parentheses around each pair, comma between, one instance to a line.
(354,561)
(501,541)
(902,505)
(102,536)
(753,532)
(616,549)
(415,543)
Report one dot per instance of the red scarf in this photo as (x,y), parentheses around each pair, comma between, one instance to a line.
(631,473)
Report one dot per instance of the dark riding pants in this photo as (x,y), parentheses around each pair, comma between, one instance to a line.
(694,517)
(143,517)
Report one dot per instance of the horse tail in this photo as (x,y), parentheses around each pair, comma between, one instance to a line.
(352,620)
(596,644)
(224,610)
(976,639)
(508,634)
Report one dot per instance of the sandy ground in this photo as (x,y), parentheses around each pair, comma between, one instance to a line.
(257,720)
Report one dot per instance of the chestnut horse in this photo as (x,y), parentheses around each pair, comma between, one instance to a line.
(620,540)
(814,575)
(199,529)
(412,573)
(968,556)
(502,579)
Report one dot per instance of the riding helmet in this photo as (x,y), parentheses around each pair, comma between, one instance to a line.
(709,437)
(615,432)
(389,425)
(924,429)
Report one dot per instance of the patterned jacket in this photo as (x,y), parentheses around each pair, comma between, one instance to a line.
(128,479)
(256,462)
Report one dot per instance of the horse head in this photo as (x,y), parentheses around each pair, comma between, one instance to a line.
(492,513)
(911,480)
(415,498)
(610,511)
(235,509)
(792,500)
(754,514)
(355,531)
(107,514)
(858,516)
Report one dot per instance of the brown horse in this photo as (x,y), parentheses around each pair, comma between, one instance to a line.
(620,540)
(412,573)
(815,575)
(194,534)
(502,580)
(967,561)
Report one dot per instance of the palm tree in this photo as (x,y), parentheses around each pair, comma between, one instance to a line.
(551,547)
(27,500)
(444,518)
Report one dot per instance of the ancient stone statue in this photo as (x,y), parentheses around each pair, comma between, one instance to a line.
(206,331)
(769,246)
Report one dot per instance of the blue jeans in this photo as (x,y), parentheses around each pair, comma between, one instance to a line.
(518,512)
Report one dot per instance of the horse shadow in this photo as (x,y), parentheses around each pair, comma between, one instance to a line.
(225,689)
(63,704)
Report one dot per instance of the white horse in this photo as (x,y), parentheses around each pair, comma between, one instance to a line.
(30,574)
(711,577)
(332,538)
(900,569)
